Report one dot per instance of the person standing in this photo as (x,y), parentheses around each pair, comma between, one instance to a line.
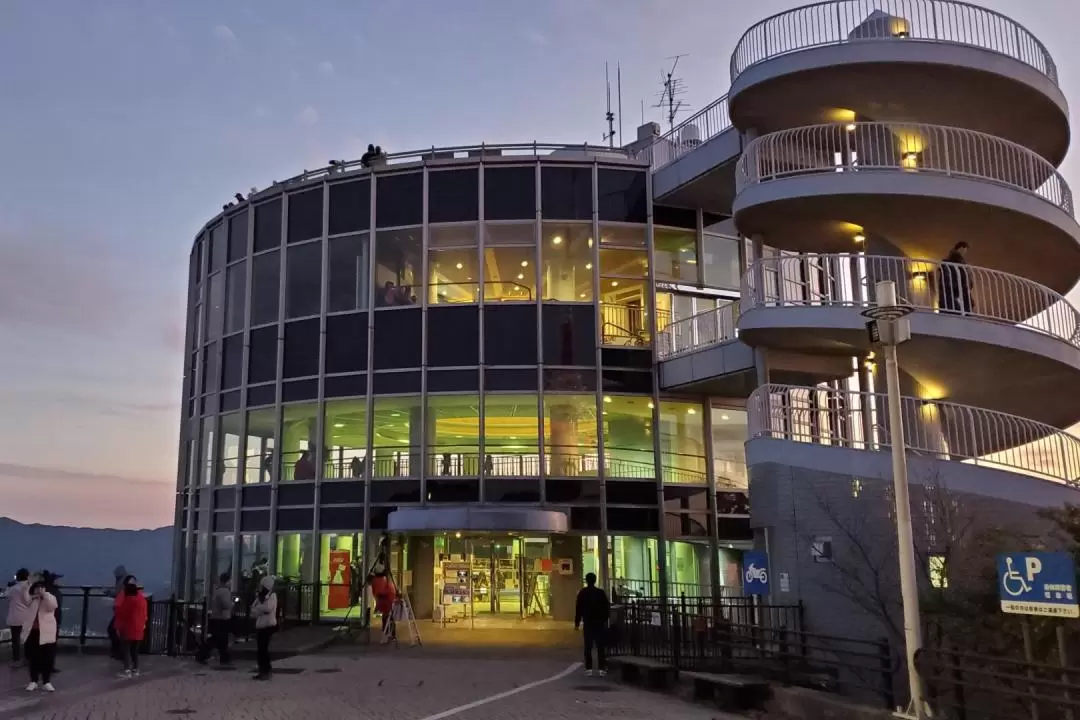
(591,615)
(131,614)
(220,615)
(41,639)
(264,610)
(120,573)
(954,281)
(18,597)
(382,589)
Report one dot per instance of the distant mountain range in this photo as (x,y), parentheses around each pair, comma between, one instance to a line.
(87,556)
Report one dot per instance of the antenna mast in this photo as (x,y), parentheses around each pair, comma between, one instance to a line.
(674,88)
(618,82)
(609,116)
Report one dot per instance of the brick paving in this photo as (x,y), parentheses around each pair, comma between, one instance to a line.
(383,684)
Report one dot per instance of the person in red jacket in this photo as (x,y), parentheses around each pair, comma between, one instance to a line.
(385,594)
(131,612)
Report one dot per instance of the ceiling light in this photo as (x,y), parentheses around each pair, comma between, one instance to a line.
(513,437)
(651,406)
(850,127)
(395,414)
(339,425)
(582,296)
(524,263)
(614,283)
(557,240)
(691,411)
(588,266)
(457,535)
(859,238)
(521,276)
(684,250)
(724,417)
(459,266)
(607,399)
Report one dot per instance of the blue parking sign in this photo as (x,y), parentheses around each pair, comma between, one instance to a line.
(755,573)
(1038,583)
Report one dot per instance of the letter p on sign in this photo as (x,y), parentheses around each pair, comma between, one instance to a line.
(1034,567)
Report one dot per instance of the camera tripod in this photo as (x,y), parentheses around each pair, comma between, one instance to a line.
(401,610)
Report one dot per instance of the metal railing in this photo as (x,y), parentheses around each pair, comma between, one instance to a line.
(849,280)
(900,147)
(624,325)
(932,429)
(699,128)
(712,327)
(849,21)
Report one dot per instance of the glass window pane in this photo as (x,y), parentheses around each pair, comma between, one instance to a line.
(265,274)
(221,556)
(511,436)
(453,195)
(675,254)
(212,368)
(452,264)
(263,355)
(350,206)
(346,343)
(721,261)
(218,247)
(510,193)
(729,447)
(570,435)
(259,448)
(454,440)
(232,361)
(296,563)
(397,445)
(348,273)
(398,266)
(628,439)
(566,193)
(567,257)
(682,442)
(301,356)
(298,441)
(238,231)
(346,438)
(229,467)
(303,280)
(510,234)
(569,335)
(621,196)
(215,320)
(341,576)
(268,225)
(624,235)
(510,274)
(235,297)
(399,200)
(305,215)
(254,564)
(624,263)
(208,439)
(624,314)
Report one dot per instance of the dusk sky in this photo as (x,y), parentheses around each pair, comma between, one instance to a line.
(124,126)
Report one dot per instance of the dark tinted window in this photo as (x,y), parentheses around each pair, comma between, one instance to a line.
(630,381)
(510,193)
(496,380)
(393,383)
(211,368)
(560,491)
(453,491)
(453,380)
(224,521)
(395,491)
(633,519)
(303,279)
(295,519)
(265,272)
(262,394)
(238,230)
(570,380)
(585,519)
(262,360)
(342,493)
(296,494)
(569,335)
(675,217)
(626,358)
(218,247)
(453,195)
(215,304)
(631,493)
(232,361)
(399,200)
(566,193)
(268,225)
(211,404)
(305,215)
(345,386)
(255,496)
(350,207)
(453,336)
(255,521)
(620,196)
(301,349)
(346,343)
(196,261)
(235,297)
(506,490)
(348,273)
(230,400)
(342,518)
(510,335)
(300,390)
(397,339)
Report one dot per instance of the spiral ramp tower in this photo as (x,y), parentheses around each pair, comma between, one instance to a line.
(876,135)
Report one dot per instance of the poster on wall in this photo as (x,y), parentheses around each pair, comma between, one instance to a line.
(340,574)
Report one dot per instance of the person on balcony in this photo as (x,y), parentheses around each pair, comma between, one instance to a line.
(954,281)
(304,468)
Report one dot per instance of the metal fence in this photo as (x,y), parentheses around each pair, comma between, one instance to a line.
(711,327)
(901,147)
(934,429)
(849,21)
(849,280)
(699,128)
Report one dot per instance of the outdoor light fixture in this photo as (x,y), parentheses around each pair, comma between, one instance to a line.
(459,266)
(859,238)
(850,127)
(588,266)
(524,263)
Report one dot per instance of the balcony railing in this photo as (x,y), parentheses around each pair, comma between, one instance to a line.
(624,325)
(847,280)
(901,147)
(711,327)
(940,430)
(699,128)
(848,21)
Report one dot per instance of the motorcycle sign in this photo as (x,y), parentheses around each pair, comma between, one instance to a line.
(755,573)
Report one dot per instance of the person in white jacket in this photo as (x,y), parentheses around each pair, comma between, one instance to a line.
(18,597)
(264,610)
(40,621)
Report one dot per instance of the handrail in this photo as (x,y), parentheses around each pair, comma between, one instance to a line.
(697,129)
(937,429)
(901,147)
(711,327)
(838,22)
(849,280)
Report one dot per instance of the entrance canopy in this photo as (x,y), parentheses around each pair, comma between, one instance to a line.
(478,519)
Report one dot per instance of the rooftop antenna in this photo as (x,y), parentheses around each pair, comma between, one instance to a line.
(609,136)
(674,87)
(618,83)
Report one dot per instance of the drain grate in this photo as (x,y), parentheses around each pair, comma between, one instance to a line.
(181,711)
(594,688)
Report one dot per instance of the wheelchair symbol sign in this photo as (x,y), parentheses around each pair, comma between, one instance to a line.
(1038,583)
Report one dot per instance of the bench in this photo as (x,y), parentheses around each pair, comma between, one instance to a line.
(729,692)
(644,671)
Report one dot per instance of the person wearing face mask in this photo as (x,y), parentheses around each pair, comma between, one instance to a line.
(40,645)
(264,610)
(131,614)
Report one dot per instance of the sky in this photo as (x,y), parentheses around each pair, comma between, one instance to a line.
(124,126)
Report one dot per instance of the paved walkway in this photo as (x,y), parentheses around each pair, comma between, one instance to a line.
(382,684)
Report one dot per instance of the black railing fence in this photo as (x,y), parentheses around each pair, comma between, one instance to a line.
(740,635)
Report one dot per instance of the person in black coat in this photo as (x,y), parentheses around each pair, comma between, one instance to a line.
(954,281)
(591,615)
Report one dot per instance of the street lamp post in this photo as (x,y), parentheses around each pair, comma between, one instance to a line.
(889,327)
